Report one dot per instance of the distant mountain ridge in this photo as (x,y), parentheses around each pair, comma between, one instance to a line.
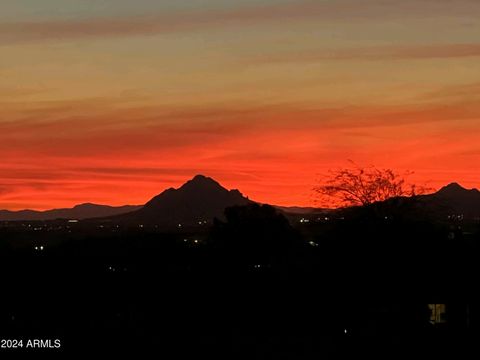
(200,199)
(80,212)
(454,199)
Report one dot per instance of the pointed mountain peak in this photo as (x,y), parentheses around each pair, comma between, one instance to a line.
(201,181)
(455,189)
(199,199)
(86,205)
(202,178)
(455,185)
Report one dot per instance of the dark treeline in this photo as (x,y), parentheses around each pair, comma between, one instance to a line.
(251,286)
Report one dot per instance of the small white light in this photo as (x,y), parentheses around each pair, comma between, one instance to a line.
(346,331)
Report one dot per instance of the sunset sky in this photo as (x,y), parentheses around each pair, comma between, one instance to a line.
(112,101)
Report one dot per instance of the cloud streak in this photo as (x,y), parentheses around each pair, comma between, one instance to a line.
(164,23)
(267,130)
(379,53)
(57,163)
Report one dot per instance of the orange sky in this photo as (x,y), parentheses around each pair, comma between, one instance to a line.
(112,104)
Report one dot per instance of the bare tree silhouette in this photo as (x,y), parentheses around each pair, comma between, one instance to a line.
(361,186)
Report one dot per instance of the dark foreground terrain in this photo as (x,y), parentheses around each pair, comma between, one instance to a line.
(252,287)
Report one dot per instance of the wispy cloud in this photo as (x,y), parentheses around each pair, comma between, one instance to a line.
(161,130)
(390,52)
(149,24)
(70,161)
(152,24)
(460,93)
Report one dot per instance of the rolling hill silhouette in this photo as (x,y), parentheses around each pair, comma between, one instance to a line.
(451,200)
(200,199)
(80,212)
(454,199)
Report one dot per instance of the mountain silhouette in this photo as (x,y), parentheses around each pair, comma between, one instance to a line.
(455,190)
(200,199)
(81,211)
(454,199)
